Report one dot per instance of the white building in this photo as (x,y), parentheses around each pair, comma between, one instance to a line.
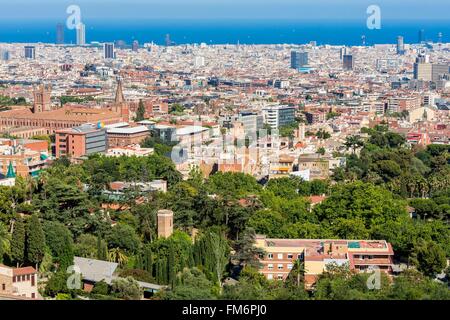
(278,116)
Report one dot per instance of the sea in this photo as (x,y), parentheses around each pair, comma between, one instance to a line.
(229,31)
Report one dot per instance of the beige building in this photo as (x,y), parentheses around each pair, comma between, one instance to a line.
(21,282)
(360,255)
(421,114)
(319,166)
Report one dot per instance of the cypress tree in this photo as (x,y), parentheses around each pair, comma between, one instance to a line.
(35,241)
(102,249)
(148,260)
(171,266)
(139,263)
(165,273)
(191,261)
(140,112)
(18,242)
(158,271)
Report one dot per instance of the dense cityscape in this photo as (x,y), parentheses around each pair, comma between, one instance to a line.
(224,171)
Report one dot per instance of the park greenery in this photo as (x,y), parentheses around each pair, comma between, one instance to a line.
(45,222)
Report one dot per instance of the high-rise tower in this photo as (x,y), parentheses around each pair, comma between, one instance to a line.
(30,52)
(400,45)
(421,37)
(108,51)
(81,34)
(59,33)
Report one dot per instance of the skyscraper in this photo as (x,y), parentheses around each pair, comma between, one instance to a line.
(347,62)
(4,55)
(59,33)
(108,50)
(167,40)
(30,52)
(342,52)
(439,72)
(400,45)
(81,34)
(135,46)
(421,36)
(299,59)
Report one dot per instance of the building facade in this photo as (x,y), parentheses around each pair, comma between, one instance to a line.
(278,116)
(316,254)
(80,141)
(20,282)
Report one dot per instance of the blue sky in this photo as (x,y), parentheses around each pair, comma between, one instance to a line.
(226,9)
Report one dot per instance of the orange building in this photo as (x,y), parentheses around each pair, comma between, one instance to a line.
(80,141)
(26,159)
(121,137)
(359,255)
(41,115)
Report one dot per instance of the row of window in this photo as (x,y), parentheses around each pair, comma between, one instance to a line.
(280,256)
(280,266)
(24,277)
(270,276)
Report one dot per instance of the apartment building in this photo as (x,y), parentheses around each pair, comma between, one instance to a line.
(319,166)
(278,116)
(400,104)
(22,158)
(315,117)
(80,141)
(360,256)
(120,137)
(20,282)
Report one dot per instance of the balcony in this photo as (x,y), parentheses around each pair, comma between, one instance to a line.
(384,261)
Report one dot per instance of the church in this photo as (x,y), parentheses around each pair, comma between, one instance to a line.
(43,115)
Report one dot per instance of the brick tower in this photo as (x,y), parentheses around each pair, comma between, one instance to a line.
(165,223)
(42,99)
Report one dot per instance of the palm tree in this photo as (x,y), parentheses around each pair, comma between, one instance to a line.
(43,180)
(31,185)
(353,142)
(117,255)
(298,272)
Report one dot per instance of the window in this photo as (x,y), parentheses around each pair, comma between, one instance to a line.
(270,276)
(280,267)
(280,256)
(290,255)
(3,286)
(280,277)
(289,266)
(270,266)
(33,295)
(32,280)
(270,256)
(14,279)
(28,277)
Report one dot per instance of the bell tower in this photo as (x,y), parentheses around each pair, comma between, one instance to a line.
(120,104)
(42,99)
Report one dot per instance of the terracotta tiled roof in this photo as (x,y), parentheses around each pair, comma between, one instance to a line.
(23,271)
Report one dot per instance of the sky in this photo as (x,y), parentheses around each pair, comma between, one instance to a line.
(423,10)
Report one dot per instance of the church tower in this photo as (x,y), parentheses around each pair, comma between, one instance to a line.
(120,105)
(42,99)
